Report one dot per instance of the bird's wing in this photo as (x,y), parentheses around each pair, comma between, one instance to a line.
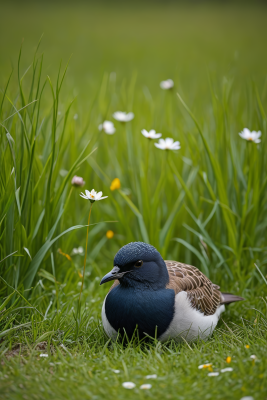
(202,293)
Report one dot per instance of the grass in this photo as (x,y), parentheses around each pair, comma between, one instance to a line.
(204,204)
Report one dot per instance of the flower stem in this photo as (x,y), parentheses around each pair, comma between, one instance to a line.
(84,264)
(147,156)
(147,192)
(71,190)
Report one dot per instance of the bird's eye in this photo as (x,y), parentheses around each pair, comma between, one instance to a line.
(138,264)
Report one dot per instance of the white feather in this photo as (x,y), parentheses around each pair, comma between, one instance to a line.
(189,323)
(106,325)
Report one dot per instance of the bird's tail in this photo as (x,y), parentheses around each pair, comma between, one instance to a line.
(227,298)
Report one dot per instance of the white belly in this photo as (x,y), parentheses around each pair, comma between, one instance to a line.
(190,324)
(187,324)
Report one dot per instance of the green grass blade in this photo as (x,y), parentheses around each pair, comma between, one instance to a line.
(196,252)
(38,258)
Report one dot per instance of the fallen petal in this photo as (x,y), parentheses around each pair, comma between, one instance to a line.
(128,385)
(146,386)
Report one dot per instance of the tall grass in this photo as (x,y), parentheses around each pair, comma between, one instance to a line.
(204,204)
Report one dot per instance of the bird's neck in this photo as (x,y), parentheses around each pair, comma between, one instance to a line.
(132,283)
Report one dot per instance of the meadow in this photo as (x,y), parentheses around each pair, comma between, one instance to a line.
(66,68)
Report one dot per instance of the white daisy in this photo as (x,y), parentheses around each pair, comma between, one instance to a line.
(116,371)
(108,127)
(146,386)
(93,195)
(253,357)
(151,134)
(204,366)
(154,376)
(247,398)
(128,385)
(213,373)
(168,84)
(78,250)
(123,116)
(250,136)
(229,369)
(167,144)
(43,355)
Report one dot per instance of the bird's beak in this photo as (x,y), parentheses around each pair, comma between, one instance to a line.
(113,274)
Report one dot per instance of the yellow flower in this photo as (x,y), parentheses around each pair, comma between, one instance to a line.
(228,359)
(115,184)
(247,346)
(109,234)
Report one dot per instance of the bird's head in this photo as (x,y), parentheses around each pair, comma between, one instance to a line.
(139,264)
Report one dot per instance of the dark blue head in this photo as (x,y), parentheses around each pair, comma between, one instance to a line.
(139,265)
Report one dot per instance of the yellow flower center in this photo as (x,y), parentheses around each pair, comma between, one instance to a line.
(228,359)
(250,139)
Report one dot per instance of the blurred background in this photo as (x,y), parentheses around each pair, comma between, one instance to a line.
(155,39)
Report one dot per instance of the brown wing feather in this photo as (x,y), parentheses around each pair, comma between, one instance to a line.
(203,294)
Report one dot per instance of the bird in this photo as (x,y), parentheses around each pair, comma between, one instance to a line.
(160,299)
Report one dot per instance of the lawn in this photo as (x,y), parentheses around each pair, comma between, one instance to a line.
(65,67)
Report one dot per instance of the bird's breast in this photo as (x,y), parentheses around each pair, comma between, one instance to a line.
(148,311)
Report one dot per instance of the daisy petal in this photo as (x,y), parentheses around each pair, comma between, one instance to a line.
(213,373)
(159,146)
(144,132)
(130,116)
(98,195)
(153,376)
(128,385)
(146,386)
(169,141)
